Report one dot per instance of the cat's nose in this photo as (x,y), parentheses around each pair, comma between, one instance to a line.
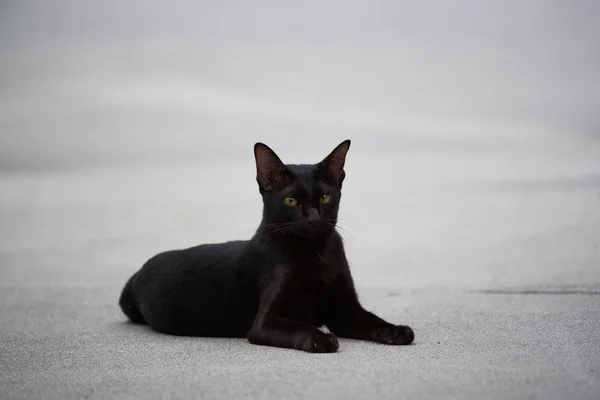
(313,216)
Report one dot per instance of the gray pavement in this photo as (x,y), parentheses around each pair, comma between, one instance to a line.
(71,343)
(471,209)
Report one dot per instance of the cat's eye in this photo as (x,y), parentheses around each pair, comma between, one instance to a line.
(325,199)
(290,201)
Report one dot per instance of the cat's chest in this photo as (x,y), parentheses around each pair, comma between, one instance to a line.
(308,301)
(313,265)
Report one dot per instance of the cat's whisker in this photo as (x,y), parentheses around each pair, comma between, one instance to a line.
(276,225)
(345,236)
(346,221)
(281,231)
(343,232)
(346,230)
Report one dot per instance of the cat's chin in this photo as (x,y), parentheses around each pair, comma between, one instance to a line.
(313,233)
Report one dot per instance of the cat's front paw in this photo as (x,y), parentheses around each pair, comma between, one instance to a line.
(395,334)
(321,343)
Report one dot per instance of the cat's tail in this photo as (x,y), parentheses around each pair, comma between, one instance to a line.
(129,305)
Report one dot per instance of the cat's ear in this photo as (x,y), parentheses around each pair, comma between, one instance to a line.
(333,164)
(269,168)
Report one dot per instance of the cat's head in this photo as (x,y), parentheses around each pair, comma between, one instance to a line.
(300,199)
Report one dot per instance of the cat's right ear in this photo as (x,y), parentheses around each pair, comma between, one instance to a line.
(333,164)
(269,168)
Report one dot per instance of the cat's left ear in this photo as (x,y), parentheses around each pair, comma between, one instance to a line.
(333,164)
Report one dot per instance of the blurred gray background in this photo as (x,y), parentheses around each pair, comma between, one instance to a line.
(474,127)
(98,82)
(126,128)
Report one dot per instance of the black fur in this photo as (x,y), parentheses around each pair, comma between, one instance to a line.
(277,288)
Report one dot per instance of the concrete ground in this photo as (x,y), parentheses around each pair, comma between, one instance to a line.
(61,343)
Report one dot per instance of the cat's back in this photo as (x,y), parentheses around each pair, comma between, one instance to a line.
(199,259)
(188,273)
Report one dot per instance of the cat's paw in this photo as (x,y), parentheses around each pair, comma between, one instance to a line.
(321,342)
(395,334)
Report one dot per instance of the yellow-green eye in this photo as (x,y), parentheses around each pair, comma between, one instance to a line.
(325,199)
(290,201)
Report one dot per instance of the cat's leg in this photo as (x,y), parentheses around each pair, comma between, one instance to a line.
(347,318)
(357,323)
(288,333)
(273,327)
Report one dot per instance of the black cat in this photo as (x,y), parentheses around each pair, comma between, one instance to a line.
(275,289)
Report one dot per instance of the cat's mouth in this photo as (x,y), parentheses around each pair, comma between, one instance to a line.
(301,229)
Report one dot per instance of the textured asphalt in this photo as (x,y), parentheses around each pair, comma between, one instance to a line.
(64,343)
